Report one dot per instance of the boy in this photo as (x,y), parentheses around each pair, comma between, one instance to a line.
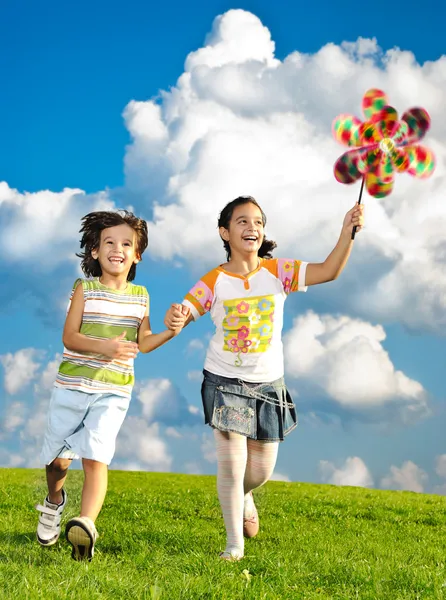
(106,325)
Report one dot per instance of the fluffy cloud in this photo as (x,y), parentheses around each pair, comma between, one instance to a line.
(344,360)
(279,477)
(407,477)
(440,465)
(240,121)
(141,447)
(44,225)
(195,375)
(162,402)
(353,472)
(20,368)
(40,238)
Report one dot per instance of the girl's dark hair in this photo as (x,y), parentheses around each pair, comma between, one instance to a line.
(94,223)
(265,250)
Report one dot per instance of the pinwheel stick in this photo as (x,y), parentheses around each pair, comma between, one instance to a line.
(359,202)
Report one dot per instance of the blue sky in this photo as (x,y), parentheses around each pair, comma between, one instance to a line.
(70,74)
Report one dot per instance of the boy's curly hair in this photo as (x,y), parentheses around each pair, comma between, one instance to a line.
(92,226)
(265,250)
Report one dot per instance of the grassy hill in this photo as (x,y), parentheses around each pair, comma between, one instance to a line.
(160,535)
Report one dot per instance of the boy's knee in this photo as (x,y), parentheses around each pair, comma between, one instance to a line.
(59,465)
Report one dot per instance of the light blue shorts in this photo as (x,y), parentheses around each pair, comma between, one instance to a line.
(82,425)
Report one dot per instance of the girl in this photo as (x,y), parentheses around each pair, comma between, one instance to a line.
(244,396)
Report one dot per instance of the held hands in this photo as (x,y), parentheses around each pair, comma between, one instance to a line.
(354,218)
(118,348)
(176,317)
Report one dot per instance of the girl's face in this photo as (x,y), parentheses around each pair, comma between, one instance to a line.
(245,232)
(117,250)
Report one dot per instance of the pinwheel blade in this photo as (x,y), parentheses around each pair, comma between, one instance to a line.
(372,102)
(379,180)
(369,134)
(386,121)
(346,167)
(421,161)
(346,130)
(400,134)
(400,159)
(418,122)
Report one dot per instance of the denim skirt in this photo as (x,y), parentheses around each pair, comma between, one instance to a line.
(260,411)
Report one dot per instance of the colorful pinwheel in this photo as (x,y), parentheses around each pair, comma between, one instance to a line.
(382,144)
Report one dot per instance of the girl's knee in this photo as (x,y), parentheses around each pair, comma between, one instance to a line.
(93,465)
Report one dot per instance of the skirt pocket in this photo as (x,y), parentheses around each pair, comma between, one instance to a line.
(233,412)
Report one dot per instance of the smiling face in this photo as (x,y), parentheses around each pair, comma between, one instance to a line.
(117,250)
(245,232)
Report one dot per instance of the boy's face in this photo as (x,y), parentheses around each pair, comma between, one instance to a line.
(117,250)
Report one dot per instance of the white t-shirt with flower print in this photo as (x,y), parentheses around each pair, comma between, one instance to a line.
(248,316)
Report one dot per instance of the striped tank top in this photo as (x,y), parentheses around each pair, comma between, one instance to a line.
(107,313)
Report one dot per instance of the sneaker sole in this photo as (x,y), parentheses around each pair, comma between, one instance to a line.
(50,542)
(81,540)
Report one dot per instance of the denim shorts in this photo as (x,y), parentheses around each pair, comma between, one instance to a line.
(83,425)
(260,411)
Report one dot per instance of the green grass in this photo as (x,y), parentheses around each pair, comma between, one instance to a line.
(160,535)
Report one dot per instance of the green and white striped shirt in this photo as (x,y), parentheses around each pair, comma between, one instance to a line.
(107,313)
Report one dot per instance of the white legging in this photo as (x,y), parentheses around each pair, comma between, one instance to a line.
(243,465)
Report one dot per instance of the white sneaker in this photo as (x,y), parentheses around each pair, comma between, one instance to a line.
(82,535)
(48,529)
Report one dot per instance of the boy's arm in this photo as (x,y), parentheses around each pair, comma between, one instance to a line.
(334,264)
(78,342)
(148,341)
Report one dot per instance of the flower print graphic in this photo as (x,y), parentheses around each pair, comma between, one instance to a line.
(242,308)
(287,266)
(207,305)
(254,318)
(199,293)
(287,284)
(271,317)
(264,304)
(264,330)
(232,321)
(243,333)
(239,345)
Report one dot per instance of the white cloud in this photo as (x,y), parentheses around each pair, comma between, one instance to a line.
(44,224)
(408,477)
(208,448)
(440,489)
(20,368)
(48,376)
(195,345)
(279,477)
(11,459)
(142,444)
(195,375)
(354,472)
(193,468)
(15,416)
(174,433)
(162,402)
(344,359)
(240,121)
(440,465)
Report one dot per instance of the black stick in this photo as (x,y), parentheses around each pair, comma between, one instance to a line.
(359,202)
